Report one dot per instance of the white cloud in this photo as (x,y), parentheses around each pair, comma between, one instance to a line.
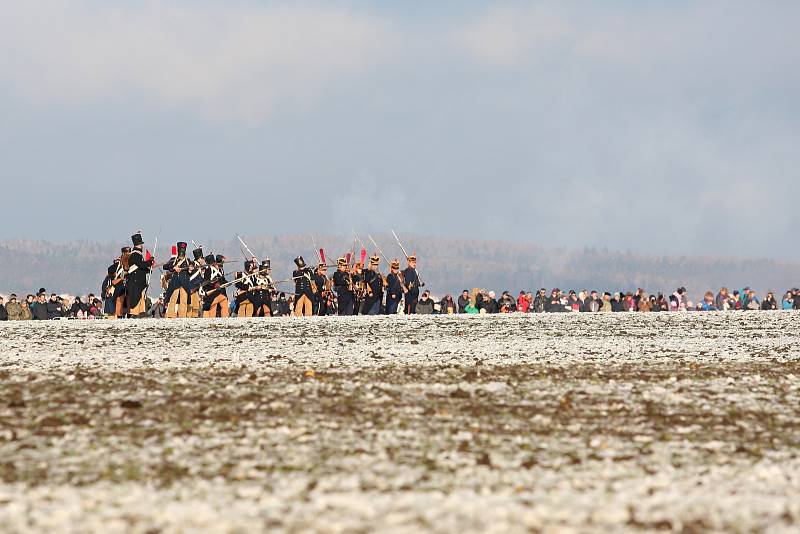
(225,61)
(630,35)
(507,36)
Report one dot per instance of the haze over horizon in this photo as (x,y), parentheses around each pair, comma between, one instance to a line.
(655,128)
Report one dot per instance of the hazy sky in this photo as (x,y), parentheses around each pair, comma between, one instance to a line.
(654,126)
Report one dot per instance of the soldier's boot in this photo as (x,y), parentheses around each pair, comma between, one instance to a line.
(119,307)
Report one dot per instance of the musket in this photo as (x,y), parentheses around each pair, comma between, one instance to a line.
(358,239)
(247,248)
(147,287)
(237,280)
(316,250)
(379,250)
(421,283)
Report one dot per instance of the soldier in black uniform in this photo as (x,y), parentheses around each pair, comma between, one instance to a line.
(262,293)
(114,289)
(196,269)
(215,300)
(343,285)
(375,284)
(245,293)
(136,278)
(177,295)
(359,289)
(412,284)
(320,278)
(303,292)
(394,288)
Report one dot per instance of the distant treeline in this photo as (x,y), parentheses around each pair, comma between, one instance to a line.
(446,265)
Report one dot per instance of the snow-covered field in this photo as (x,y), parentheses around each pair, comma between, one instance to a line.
(567,422)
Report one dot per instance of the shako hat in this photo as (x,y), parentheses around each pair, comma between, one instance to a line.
(413,257)
(248,265)
(374,260)
(300,262)
(322,267)
(341,261)
(220,258)
(182,248)
(210,259)
(266,264)
(197,253)
(136,239)
(358,265)
(395,264)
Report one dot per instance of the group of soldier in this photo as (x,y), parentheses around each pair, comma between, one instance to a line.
(196,286)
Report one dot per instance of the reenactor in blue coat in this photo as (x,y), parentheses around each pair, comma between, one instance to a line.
(394,288)
(412,283)
(177,295)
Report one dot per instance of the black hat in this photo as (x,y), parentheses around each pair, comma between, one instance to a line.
(197,253)
(265,264)
(125,250)
(42,290)
(210,259)
(374,260)
(300,262)
(220,258)
(182,248)
(248,265)
(137,239)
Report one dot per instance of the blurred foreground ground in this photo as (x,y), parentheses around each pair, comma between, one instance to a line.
(555,422)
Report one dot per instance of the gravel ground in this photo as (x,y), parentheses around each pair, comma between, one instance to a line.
(535,423)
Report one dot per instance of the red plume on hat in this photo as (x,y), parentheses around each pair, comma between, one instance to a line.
(322,255)
(174,250)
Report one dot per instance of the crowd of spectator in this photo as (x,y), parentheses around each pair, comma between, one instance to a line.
(40,307)
(557,301)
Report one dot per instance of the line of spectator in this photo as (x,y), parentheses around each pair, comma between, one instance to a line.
(482,301)
(41,308)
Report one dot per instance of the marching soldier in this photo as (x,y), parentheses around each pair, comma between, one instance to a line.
(412,283)
(115,291)
(358,287)
(374,283)
(136,277)
(245,290)
(320,279)
(394,288)
(304,288)
(343,284)
(216,298)
(177,295)
(261,295)
(196,269)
